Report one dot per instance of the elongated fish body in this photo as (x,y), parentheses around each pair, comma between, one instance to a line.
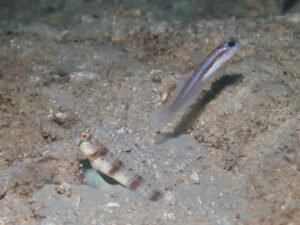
(190,87)
(101,160)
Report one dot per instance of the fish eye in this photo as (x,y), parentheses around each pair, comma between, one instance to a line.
(231,42)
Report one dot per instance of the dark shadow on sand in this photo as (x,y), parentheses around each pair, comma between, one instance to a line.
(191,115)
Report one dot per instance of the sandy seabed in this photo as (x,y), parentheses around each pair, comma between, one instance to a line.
(232,158)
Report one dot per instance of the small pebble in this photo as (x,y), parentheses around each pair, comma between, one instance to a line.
(113,204)
(121,131)
(195,176)
(63,189)
(169,195)
(156,79)
(171,217)
(162,27)
(83,75)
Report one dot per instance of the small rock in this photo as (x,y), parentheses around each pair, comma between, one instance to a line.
(160,28)
(156,79)
(113,204)
(64,189)
(195,176)
(121,130)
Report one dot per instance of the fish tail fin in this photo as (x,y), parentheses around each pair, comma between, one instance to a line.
(161,116)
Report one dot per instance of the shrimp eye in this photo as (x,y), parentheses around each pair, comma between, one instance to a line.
(231,42)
